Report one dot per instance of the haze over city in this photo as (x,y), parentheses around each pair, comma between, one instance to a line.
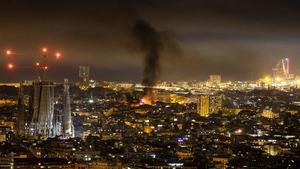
(241,40)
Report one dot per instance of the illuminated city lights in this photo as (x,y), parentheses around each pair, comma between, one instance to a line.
(278,79)
(216,86)
(267,79)
(238,131)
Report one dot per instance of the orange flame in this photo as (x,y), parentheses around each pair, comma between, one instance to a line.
(146,100)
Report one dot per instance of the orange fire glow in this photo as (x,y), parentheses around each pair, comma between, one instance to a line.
(147,100)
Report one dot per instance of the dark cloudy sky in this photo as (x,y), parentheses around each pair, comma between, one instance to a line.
(238,39)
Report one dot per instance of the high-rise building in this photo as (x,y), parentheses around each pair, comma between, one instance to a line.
(68,128)
(203,105)
(208,104)
(84,77)
(43,109)
(215,79)
(21,112)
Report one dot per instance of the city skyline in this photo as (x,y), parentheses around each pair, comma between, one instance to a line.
(211,38)
(131,84)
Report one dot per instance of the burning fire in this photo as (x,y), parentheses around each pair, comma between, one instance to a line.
(144,100)
(147,100)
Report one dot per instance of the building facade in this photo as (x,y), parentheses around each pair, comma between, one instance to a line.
(68,128)
(208,104)
(43,109)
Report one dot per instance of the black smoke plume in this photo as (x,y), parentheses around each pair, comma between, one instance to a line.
(150,41)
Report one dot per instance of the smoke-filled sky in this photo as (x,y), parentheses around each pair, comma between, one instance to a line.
(241,40)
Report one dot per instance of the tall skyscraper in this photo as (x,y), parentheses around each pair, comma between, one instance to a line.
(203,105)
(21,112)
(84,77)
(43,109)
(68,129)
(208,104)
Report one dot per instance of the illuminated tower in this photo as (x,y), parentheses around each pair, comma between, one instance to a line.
(43,109)
(203,105)
(21,112)
(68,129)
(84,75)
(57,123)
(282,70)
(208,104)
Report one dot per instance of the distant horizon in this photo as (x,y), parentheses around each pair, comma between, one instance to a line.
(130,81)
(71,72)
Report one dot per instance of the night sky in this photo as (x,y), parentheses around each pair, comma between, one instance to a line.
(241,40)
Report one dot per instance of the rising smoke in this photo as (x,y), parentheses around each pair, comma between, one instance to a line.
(150,41)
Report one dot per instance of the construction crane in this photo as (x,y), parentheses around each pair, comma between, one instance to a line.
(41,65)
(282,70)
